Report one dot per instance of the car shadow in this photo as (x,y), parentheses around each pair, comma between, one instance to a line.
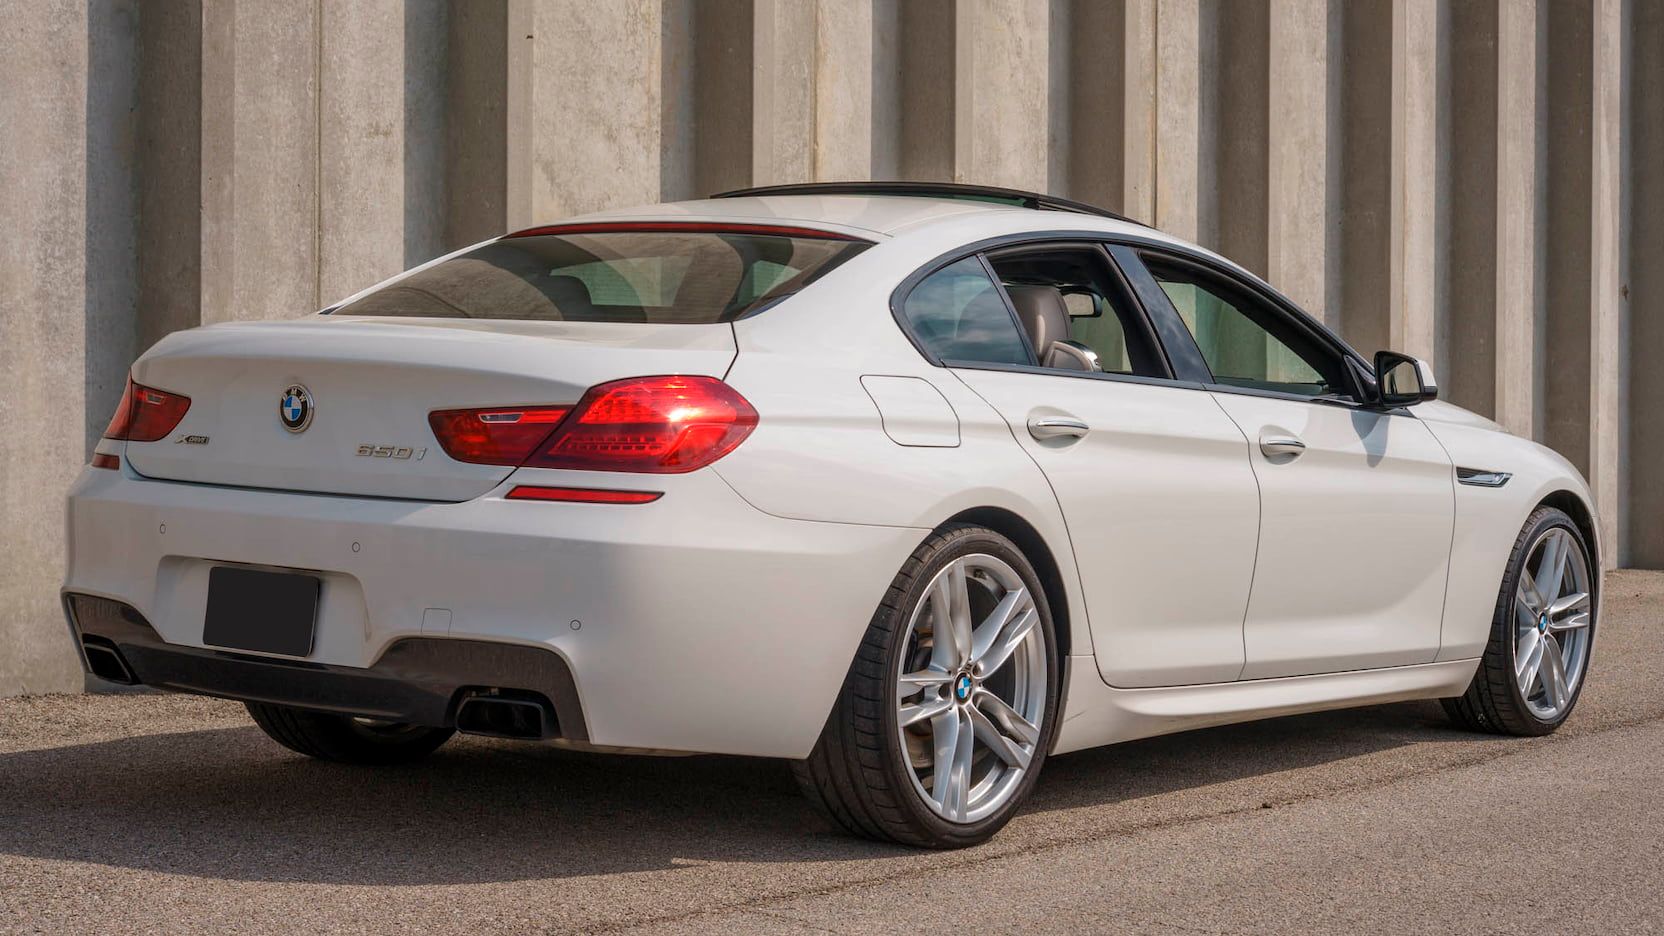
(229,804)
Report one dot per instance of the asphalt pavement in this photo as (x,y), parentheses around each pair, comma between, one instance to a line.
(152,813)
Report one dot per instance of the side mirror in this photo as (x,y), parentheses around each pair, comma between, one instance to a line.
(1403,380)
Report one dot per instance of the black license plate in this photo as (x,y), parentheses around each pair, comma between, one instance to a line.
(272,612)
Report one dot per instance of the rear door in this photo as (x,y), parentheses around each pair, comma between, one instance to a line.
(1152,476)
(1356,505)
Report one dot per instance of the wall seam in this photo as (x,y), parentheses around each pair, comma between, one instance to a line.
(317,154)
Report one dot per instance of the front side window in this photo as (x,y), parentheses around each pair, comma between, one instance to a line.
(1244,343)
(654,276)
(958,314)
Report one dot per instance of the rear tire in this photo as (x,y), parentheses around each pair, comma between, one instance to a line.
(1532,634)
(908,704)
(344,739)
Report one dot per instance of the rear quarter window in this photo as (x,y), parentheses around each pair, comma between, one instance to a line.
(958,314)
(589,275)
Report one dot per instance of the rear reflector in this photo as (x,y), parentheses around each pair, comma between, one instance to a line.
(101,460)
(660,425)
(146,414)
(583,495)
(501,435)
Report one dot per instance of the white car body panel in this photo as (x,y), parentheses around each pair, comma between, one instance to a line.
(1354,543)
(723,617)
(913,411)
(1165,515)
(1480,546)
(377,380)
(649,584)
(1102,714)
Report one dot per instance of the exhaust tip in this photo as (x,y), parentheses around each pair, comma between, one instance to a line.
(506,713)
(106,662)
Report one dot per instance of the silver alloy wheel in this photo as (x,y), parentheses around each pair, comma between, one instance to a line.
(1552,609)
(971,688)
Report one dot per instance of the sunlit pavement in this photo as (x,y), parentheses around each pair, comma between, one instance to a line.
(147,812)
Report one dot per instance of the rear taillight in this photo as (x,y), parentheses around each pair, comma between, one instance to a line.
(661,425)
(657,425)
(146,414)
(501,435)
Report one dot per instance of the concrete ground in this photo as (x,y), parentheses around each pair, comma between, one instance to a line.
(160,813)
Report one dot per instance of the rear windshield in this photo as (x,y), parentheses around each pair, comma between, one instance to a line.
(681,275)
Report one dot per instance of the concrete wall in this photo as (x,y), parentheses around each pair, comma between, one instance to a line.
(1405,168)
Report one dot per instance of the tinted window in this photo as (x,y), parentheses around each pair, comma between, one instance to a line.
(1244,343)
(1098,312)
(958,314)
(614,276)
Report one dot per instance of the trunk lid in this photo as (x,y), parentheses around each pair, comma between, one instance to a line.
(372,383)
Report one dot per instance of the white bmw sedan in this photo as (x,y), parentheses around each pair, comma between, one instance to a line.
(913,485)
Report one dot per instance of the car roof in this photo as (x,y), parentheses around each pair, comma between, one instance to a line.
(886,215)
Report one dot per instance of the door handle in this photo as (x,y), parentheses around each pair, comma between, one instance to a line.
(1275,445)
(1057,427)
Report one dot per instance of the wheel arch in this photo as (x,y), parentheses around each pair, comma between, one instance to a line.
(1575,507)
(1013,527)
(1584,518)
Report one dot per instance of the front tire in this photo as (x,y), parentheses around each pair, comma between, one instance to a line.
(346,739)
(1532,672)
(936,742)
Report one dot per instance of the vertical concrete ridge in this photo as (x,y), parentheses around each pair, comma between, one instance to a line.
(169,170)
(425,90)
(724,76)
(1138,161)
(359,205)
(1001,69)
(476,123)
(1644,286)
(1413,285)
(1366,177)
(1178,133)
(1474,210)
(1569,228)
(1299,150)
(45,165)
(1241,132)
(1097,56)
(1519,210)
(1059,92)
(929,34)
(1608,322)
(856,131)
(783,91)
(111,214)
(318,151)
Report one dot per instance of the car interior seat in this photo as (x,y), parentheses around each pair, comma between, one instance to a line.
(1045,317)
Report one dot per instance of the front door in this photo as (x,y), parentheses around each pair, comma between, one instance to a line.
(1356,505)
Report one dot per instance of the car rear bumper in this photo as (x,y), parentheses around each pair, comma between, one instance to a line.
(418,680)
(693,623)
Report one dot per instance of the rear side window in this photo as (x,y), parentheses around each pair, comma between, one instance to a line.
(958,314)
(693,274)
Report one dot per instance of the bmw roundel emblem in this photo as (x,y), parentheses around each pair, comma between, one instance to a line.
(295,408)
(962,687)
